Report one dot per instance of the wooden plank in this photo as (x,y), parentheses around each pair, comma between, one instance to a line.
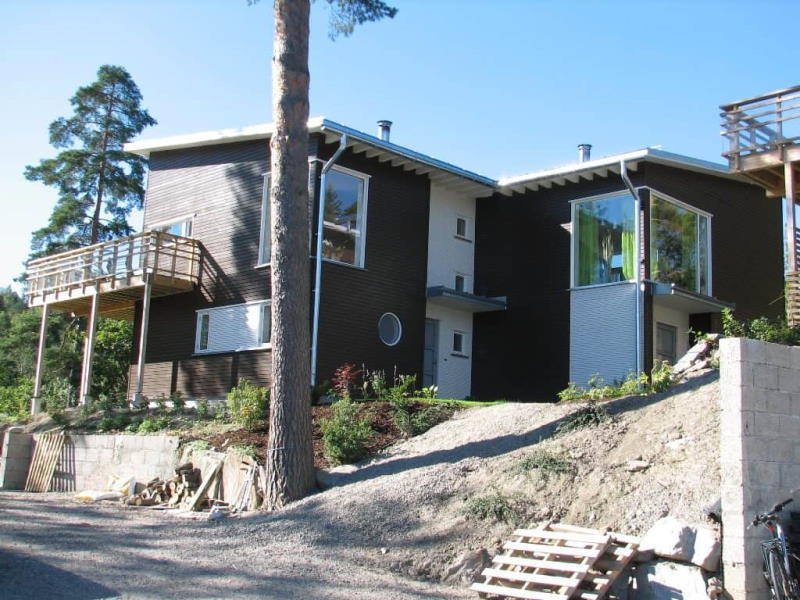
(43,463)
(201,492)
(547,565)
(556,535)
(532,577)
(510,592)
(550,549)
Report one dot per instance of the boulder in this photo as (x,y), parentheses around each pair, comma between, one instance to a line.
(669,538)
(663,580)
(707,549)
(467,567)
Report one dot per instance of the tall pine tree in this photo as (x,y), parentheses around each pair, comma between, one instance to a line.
(98,183)
(290,461)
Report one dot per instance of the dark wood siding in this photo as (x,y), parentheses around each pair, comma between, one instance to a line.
(746,230)
(221,186)
(523,252)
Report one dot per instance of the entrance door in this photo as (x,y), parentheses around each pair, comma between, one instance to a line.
(431,357)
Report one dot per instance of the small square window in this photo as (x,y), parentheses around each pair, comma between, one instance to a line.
(461,227)
(459,283)
(458,342)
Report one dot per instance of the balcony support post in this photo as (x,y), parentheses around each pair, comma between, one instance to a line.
(36,401)
(791,245)
(88,352)
(138,398)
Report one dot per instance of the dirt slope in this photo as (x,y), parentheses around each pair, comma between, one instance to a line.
(411,502)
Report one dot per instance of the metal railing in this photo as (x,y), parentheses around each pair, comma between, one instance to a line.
(761,124)
(114,264)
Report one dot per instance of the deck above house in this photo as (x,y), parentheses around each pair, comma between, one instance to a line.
(116,271)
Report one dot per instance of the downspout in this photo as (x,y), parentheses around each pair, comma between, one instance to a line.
(637,241)
(318,272)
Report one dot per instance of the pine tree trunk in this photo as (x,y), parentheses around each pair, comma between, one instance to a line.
(290,462)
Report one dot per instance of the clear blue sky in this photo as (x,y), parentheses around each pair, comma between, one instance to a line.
(500,87)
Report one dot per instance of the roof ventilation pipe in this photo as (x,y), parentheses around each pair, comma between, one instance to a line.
(384,129)
(318,270)
(584,152)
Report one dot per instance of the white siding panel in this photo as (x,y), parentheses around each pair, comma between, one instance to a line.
(602,332)
(447,254)
(454,376)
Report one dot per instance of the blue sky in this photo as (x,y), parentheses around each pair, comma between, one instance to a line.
(500,87)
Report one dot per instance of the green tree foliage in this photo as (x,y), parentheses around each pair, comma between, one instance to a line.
(346,14)
(112,358)
(98,183)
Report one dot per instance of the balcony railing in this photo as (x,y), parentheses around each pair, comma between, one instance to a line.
(761,124)
(113,265)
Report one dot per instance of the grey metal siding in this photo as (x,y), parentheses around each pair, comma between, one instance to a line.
(602,332)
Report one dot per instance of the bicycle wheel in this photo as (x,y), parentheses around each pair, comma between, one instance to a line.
(780,585)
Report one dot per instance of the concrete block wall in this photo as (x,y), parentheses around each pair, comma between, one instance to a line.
(88,461)
(14,460)
(760,450)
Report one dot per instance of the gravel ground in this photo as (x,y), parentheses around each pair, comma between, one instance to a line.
(51,547)
(388,528)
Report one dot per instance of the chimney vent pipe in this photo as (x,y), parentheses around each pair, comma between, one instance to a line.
(584,152)
(384,129)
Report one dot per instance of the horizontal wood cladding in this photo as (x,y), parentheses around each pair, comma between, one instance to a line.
(392,280)
(747,238)
(523,252)
(222,187)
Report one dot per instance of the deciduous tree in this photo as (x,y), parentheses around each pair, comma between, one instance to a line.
(98,183)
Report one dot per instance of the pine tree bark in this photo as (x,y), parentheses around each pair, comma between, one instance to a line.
(290,462)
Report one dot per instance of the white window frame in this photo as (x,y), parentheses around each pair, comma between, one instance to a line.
(200,313)
(463,335)
(264,238)
(363,222)
(467,237)
(697,211)
(187,221)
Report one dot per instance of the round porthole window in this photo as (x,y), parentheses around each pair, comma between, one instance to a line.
(389,329)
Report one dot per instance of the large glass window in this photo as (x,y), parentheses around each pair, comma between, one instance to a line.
(345,208)
(233,328)
(604,250)
(678,245)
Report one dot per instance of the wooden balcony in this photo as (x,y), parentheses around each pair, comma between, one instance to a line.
(764,137)
(117,271)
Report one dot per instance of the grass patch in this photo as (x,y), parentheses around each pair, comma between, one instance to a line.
(589,416)
(494,506)
(545,463)
(452,402)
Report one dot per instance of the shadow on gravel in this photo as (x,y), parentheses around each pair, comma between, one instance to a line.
(25,577)
(490,448)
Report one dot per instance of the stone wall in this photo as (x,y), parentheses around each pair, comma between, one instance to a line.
(760,450)
(87,461)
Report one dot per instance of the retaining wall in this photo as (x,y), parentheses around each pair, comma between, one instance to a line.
(87,461)
(760,450)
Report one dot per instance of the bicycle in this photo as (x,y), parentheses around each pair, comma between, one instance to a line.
(780,564)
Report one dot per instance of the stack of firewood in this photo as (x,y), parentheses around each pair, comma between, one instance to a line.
(170,492)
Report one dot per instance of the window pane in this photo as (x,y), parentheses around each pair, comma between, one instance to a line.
(266,323)
(461,227)
(459,283)
(343,225)
(389,329)
(666,342)
(674,245)
(264,239)
(458,342)
(702,225)
(605,249)
(204,332)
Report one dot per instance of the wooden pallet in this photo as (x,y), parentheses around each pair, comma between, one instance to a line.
(43,463)
(558,562)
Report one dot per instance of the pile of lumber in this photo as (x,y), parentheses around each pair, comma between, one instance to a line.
(558,562)
(172,492)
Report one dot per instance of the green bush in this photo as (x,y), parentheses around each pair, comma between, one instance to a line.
(203,411)
(345,434)
(492,506)
(57,396)
(661,377)
(178,402)
(660,380)
(589,416)
(761,328)
(248,405)
(545,463)
(15,400)
(152,425)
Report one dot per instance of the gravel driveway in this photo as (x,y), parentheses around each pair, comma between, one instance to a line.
(52,547)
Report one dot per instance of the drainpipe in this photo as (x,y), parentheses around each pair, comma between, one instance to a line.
(318,272)
(637,241)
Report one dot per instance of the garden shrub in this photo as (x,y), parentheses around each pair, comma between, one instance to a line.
(494,506)
(248,405)
(589,416)
(761,328)
(203,411)
(344,380)
(345,434)
(57,396)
